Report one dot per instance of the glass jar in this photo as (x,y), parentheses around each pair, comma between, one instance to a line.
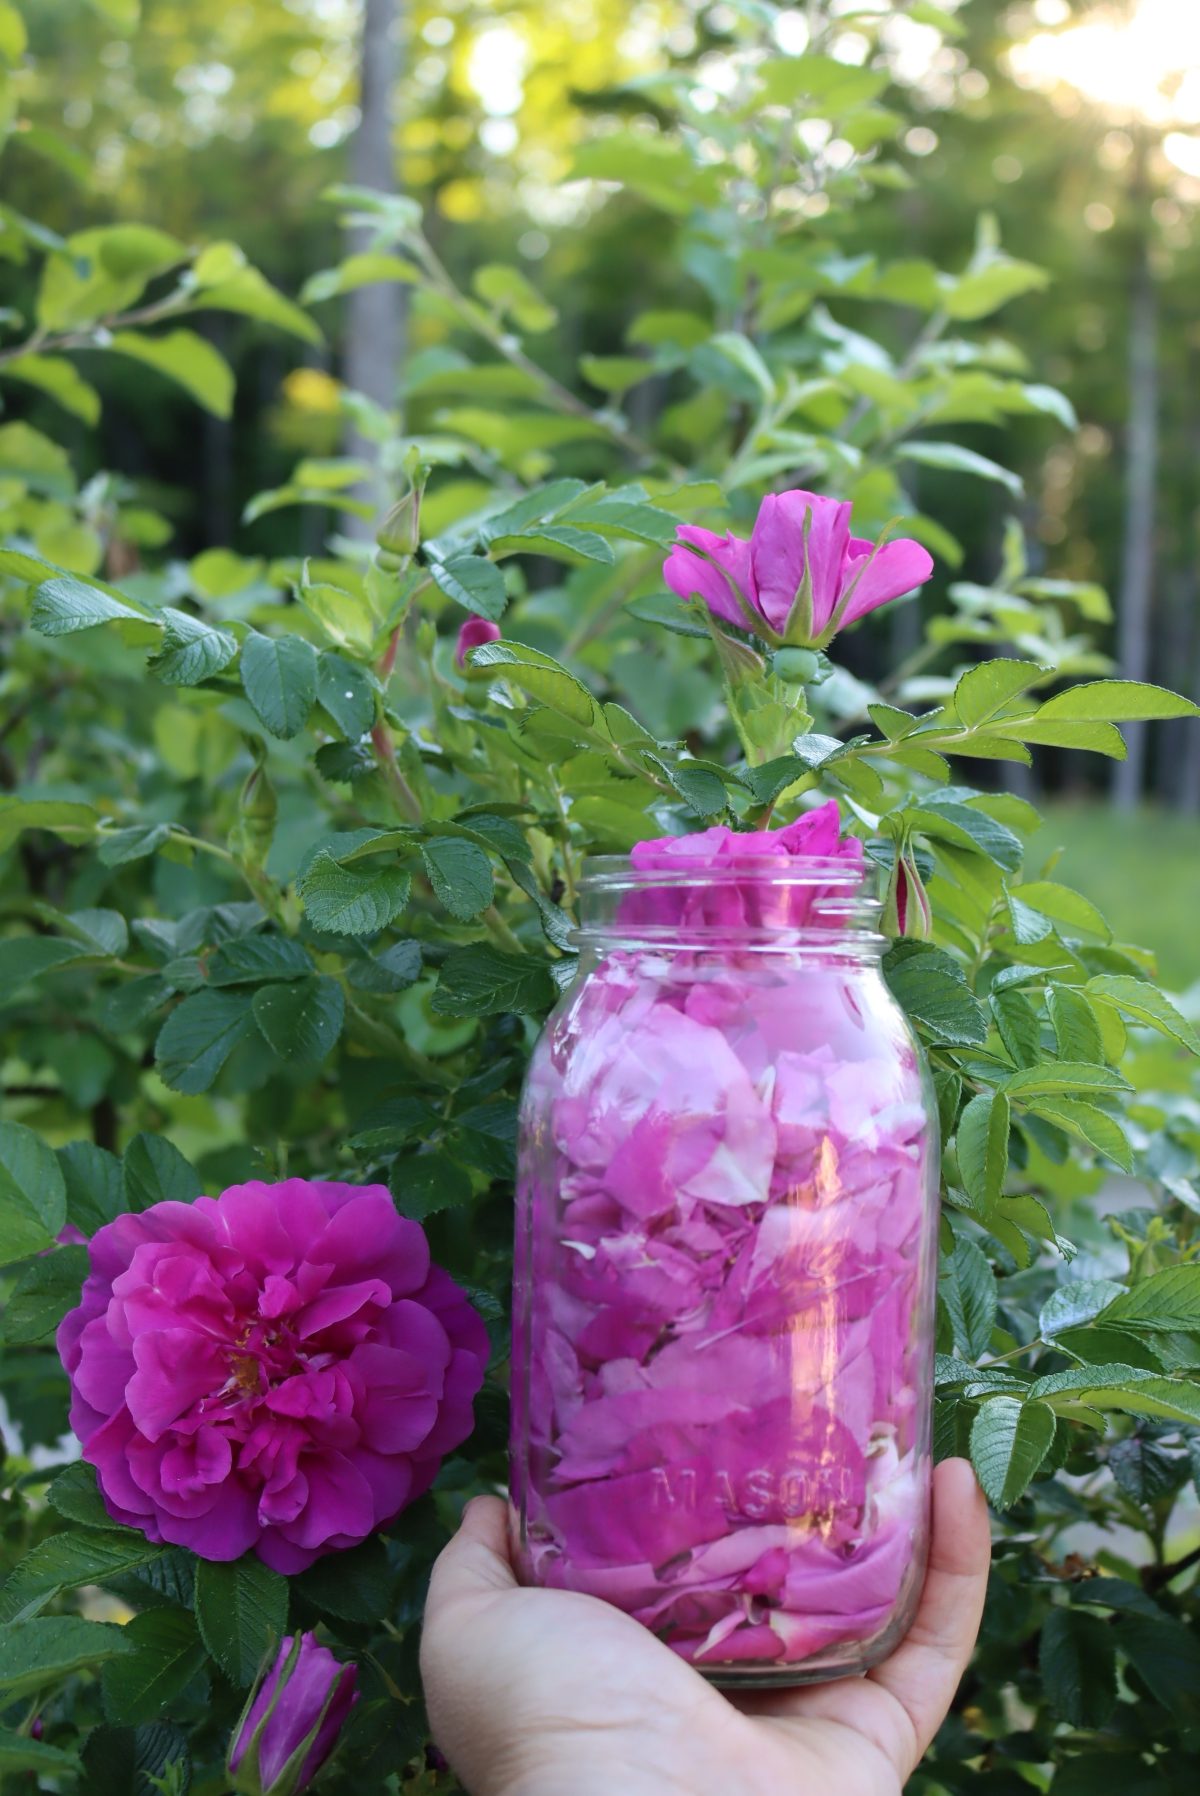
(725,1266)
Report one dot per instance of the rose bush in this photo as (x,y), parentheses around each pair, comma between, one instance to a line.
(286,895)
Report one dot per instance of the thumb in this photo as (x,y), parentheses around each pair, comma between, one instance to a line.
(476,1561)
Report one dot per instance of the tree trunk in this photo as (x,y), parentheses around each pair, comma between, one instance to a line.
(1141,479)
(376,316)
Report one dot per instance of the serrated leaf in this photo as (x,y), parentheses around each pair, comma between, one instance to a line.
(65,1561)
(1018,1025)
(1087,1123)
(1078,1665)
(257,959)
(1076,1029)
(1117,701)
(1167,1300)
(34,1654)
(154,1172)
(199,1036)
(932,989)
(397,967)
(95,1193)
(165,1654)
(1144,1003)
(982,1142)
(425,1184)
(43,1294)
(983,691)
(460,874)
(242,1609)
(75,1494)
(66,604)
(1077,1302)
(344,689)
(191,650)
(541,677)
(1064,1078)
(353,1585)
(1009,1441)
(343,901)
(967,1287)
(301,1020)
(474,583)
(1143,1471)
(119,846)
(482,980)
(1064,905)
(1127,1388)
(33,1197)
(279,674)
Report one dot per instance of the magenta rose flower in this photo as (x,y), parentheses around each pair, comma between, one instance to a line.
(291,1723)
(279,1369)
(474,633)
(801,577)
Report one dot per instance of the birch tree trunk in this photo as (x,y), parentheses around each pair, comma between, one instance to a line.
(376,316)
(1141,482)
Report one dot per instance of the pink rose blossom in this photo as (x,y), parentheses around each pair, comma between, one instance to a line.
(801,577)
(292,1721)
(474,633)
(278,1369)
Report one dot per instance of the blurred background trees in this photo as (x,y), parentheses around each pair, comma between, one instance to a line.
(1073,124)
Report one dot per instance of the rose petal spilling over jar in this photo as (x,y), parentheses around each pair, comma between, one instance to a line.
(726,1246)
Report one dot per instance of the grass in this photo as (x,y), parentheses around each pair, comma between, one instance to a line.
(1142,869)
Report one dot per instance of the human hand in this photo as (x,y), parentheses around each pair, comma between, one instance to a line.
(548,1693)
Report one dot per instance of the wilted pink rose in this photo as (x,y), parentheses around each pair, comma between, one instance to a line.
(474,633)
(278,1369)
(291,1724)
(801,577)
(723,1315)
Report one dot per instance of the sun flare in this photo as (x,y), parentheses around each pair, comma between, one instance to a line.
(1144,64)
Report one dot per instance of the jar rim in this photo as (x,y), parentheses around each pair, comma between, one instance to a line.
(616,873)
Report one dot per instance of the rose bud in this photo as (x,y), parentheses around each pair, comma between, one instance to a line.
(291,1722)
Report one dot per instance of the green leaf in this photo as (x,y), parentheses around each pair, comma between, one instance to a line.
(983,1147)
(943,818)
(1143,1003)
(117,847)
(425,1184)
(65,1561)
(967,1286)
(957,460)
(55,375)
(1126,1388)
(166,1654)
(187,359)
(279,674)
(343,901)
(191,650)
(301,1020)
(1166,1656)
(20,1753)
(541,677)
(473,582)
(344,690)
(1078,1665)
(1064,905)
(242,1609)
(482,980)
(1117,701)
(250,294)
(1087,1123)
(365,270)
(562,542)
(1064,1078)
(199,1036)
(1143,1471)
(984,691)
(34,1654)
(33,1197)
(66,604)
(1028,925)
(1167,1300)
(257,959)
(982,291)
(513,295)
(461,876)
(652,165)
(932,989)
(76,1495)
(352,1585)
(42,1296)
(1076,1029)
(396,968)
(1009,1441)
(1018,1026)
(95,1193)
(154,1172)
(56,814)
(24,958)
(1075,1303)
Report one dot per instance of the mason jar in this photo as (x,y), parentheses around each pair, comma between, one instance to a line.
(725,1265)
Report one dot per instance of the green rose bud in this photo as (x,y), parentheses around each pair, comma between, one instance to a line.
(799,667)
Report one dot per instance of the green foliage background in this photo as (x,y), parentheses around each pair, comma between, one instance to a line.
(283,891)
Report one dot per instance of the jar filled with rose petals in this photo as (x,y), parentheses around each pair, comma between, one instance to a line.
(725,1263)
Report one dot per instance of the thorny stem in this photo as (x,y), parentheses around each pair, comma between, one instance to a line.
(385,754)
